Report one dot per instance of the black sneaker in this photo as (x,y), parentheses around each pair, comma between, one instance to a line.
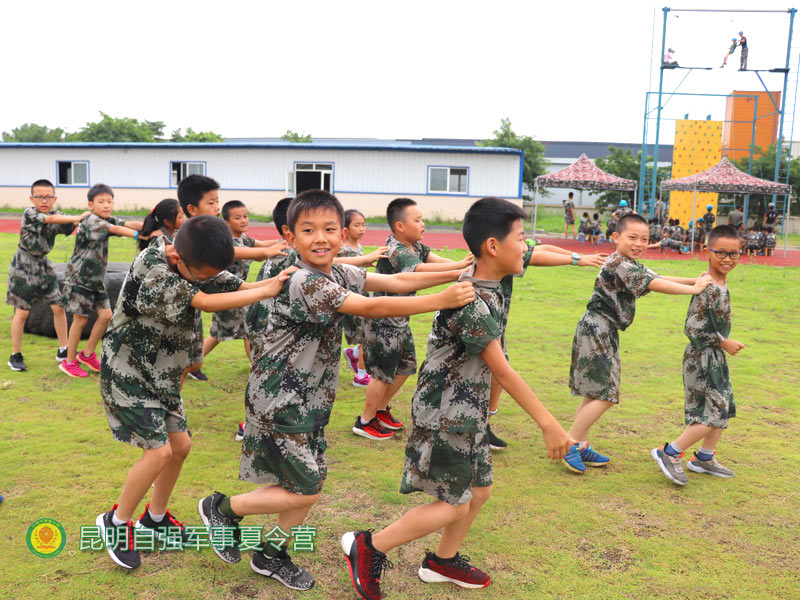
(165,529)
(61,354)
(208,508)
(282,568)
(198,375)
(128,558)
(495,443)
(16,362)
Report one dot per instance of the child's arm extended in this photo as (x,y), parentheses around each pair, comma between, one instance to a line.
(437,263)
(555,438)
(137,225)
(252,285)
(268,243)
(383,307)
(258,253)
(123,231)
(682,280)
(65,219)
(546,258)
(241,297)
(665,286)
(363,261)
(405,283)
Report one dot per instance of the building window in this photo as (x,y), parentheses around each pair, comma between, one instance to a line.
(180,170)
(71,172)
(313,176)
(447,180)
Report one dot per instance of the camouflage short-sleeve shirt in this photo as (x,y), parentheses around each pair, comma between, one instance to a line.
(618,284)
(146,345)
(507,285)
(257,317)
(400,259)
(37,237)
(708,320)
(87,266)
(295,367)
(241,267)
(453,384)
(348,251)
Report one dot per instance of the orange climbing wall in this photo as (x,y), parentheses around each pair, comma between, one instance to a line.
(697,147)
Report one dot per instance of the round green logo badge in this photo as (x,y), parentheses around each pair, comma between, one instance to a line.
(46,538)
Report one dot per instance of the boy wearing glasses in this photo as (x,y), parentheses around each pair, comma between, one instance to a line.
(708,394)
(31,277)
(144,353)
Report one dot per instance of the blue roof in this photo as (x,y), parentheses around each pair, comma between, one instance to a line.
(357,145)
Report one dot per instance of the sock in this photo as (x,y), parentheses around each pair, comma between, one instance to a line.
(354,350)
(155,517)
(443,561)
(362,373)
(582,445)
(705,454)
(224,507)
(672,450)
(269,550)
(62,348)
(115,520)
(363,422)
(492,413)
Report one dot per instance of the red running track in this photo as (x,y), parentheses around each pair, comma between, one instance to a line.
(454,240)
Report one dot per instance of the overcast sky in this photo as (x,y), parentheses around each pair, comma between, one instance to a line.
(568,70)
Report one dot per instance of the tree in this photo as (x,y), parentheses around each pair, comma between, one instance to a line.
(195,136)
(534,162)
(31,132)
(623,163)
(764,168)
(125,129)
(297,138)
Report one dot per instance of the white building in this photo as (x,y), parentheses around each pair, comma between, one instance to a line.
(444,180)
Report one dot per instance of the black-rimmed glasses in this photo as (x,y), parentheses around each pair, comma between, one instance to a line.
(722,255)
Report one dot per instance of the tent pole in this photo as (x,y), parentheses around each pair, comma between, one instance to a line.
(535,207)
(694,219)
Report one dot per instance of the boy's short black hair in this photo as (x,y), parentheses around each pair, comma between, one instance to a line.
(97,189)
(595,216)
(279,213)
(487,218)
(205,241)
(229,206)
(722,231)
(349,214)
(571,194)
(42,183)
(312,200)
(396,210)
(629,219)
(192,188)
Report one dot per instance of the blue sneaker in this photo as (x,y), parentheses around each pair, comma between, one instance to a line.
(573,460)
(593,459)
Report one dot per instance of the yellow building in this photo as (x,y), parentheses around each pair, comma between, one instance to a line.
(697,147)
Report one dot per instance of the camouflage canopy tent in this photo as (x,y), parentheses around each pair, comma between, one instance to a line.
(581,175)
(725,178)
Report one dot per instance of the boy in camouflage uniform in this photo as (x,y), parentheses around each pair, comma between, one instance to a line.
(770,241)
(707,385)
(447,454)
(569,214)
(144,353)
(229,324)
(294,376)
(32,278)
(199,195)
(84,279)
(595,369)
(388,343)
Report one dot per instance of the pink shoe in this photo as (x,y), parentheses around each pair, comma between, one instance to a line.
(90,361)
(361,381)
(73,369)
(351,359)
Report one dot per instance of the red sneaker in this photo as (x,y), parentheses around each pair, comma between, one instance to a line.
(456,570)
(352,361)
(367,565)
(73,369)
(361,381)
(387,420)
(90,361)
(373,430)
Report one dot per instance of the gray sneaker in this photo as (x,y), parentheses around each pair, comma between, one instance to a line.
(208,508)
(670,465)
(282,568)
(709,467)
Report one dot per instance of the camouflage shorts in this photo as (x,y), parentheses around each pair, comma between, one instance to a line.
(228,325)
(388,351)
(145,428)
(196,350)
(353,327)
(294,461)
(671,244)
(77,300)
(31,279)
(708,396)
(595,368)
(446,465)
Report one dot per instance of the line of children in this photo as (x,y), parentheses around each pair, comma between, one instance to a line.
(760,241)
(294,377)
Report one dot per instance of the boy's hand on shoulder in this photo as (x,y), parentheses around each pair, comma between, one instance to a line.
(275,284)
(556,440)
(732,347)
(466,261)
(701,283)
(373,256)
(275,249)
(458,295)
(84,214)
(592,260)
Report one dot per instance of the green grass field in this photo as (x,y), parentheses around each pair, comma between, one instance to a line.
(620,532)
